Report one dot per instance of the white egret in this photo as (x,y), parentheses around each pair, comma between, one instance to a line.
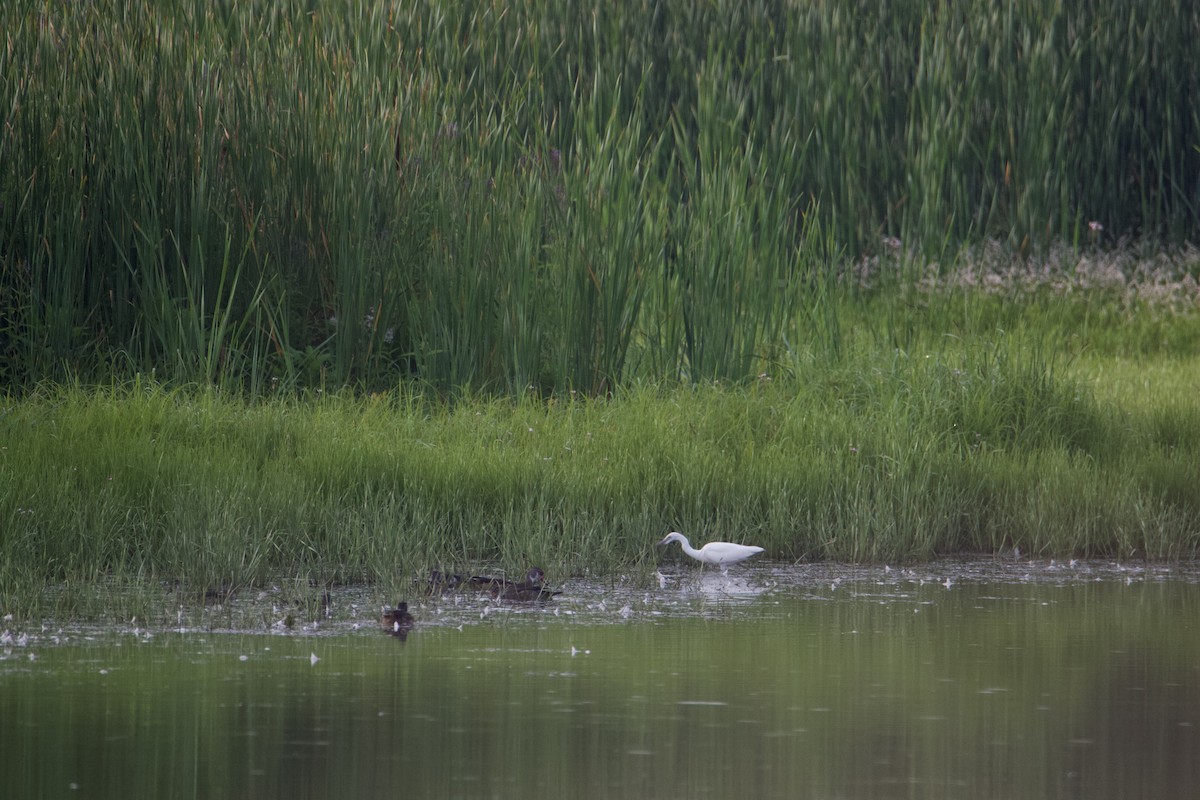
(721,554)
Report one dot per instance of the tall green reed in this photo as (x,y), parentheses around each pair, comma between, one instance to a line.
(520,196)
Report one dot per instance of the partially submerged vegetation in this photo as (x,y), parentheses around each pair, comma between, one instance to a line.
(349,295)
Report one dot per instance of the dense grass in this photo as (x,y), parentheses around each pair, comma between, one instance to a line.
(502,196)
(889,457)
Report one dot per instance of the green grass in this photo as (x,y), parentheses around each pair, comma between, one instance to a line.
(496,197)
(886,457)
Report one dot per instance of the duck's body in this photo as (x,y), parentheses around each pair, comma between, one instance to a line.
(484,583)
(532,588)
(526,592)
(397,621)
(719,554)
(442,582)
(522,592)
(219,595)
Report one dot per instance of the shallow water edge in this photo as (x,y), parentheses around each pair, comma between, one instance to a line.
(959,678)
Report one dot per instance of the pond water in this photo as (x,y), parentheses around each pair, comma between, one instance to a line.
(960,679)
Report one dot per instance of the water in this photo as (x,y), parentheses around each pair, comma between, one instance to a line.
(955,680)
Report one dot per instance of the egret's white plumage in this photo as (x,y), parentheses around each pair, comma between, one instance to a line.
(721,554)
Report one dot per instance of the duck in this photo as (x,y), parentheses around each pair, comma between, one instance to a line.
(397,621)
(219,595)
(483,582)
(531,589)
(488,583)
(442,582)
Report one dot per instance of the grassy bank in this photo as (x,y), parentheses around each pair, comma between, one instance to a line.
(890,456)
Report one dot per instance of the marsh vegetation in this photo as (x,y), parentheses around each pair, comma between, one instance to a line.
(516,195)
(349,294)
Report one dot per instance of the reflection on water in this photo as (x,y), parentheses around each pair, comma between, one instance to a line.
(954,680)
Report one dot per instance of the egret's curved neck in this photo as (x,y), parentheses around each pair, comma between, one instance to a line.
(687,547)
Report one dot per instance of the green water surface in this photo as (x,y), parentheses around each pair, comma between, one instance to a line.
(806,682)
